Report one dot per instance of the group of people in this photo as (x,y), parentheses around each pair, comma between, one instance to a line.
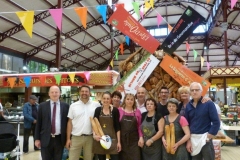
(136,125)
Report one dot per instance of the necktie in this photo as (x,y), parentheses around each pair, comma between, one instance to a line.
(54,119)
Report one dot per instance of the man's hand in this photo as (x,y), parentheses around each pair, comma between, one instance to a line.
(68,144)
(141,142)
(38,144)
(189,146)
(35,121)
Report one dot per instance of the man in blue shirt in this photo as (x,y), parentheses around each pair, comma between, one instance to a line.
(30,119)
(204,124)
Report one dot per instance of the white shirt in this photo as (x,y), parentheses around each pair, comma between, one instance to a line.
(57,118)
(80,114)
(218,108)
(142,108)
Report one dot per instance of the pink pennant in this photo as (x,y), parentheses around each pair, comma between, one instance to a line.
(233,2)
(208,65)
(159,19)
(57,17)
(141,12)
(87,75)
(108,68)
(187,47)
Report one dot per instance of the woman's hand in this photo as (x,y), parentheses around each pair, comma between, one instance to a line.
(164,142)
(119,147)
(141,142)
(97,138)
(149,142)
(175,147)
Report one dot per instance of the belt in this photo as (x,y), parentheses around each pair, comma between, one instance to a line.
(53,135)
(86,134)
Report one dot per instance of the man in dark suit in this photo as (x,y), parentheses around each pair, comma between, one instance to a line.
(50,133)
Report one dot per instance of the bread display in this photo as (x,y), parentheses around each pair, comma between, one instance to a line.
(168,138)
(99,127)
(172,133)
(94,127)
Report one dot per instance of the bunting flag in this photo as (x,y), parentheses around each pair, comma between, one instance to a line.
(202,61)
(141,12)
(127,40)
(208,65)
(27,80)
(72,76)
(111,63)
(102,9)
(26,18)
(152,3)
(136,8)
(170,27)
(82,13)
(208,1)
(119,4)
(11,81)
(159,19)
(233,2)
(116,55)
(57,17)
(187,47)
(58,78)
(195,55)
(87,75)
(108,68)
(121,48)
(42,79)
(147,6)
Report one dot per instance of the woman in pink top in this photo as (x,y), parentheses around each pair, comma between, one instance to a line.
(131,134)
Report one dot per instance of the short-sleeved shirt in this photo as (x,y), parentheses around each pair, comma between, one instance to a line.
(182,121)
(80,114)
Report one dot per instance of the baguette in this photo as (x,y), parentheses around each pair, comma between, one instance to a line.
(172,130)
(99,127)
(167,133)
(94,127)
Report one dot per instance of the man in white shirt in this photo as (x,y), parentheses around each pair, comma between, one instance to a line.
(79,125)
(141,97)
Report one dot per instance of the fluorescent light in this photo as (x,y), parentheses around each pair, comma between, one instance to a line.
(7,71)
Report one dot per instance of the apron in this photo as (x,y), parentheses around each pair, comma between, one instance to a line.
(129,138)
(106,122)
(181,153)
(152,152)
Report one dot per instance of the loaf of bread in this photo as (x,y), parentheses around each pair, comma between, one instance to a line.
(99,127)
(172,130)
(168,139)
(94,127)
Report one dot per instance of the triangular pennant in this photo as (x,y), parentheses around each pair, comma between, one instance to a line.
(72,76)
(111,63)
(202,61)
(170,27)
(159,19)
(147,6)
(187,47)
(208,65)
(136,8)
(119,5)
(233,2)
(195,55)
(116,55)
(58,78)
(27,80)
(108,68)
(208,1)
(141,12)
(102,9)
(152,3)
(127,40)
(82,13)
(42,79)
(11,81)
(87,75)
(57,17)
(121,48)
(26,18)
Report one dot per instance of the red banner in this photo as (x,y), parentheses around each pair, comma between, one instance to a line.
(124,22)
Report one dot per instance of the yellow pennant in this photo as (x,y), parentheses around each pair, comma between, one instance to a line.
(147,6)
(202,61)
(72,76)
(26,18)
(111,63)
(152,3)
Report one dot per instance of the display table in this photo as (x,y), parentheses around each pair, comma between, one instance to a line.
(232,128)
(230,118)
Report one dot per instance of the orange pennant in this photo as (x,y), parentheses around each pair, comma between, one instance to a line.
(121,47)
(208,1)
(170,27)
(82,13)
(11,81)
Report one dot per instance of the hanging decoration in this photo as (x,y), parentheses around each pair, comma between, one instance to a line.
(87,75)
(136,8)
(57,17)
(121,48)
(208,65)
(170,27)
(208,1)
(233,2)
(152,3)
(111,63)
(195,55)
(82,13)
(58,78)
(127,40)
(147,6)
(141,11)
(202,61)
(26,19)
(11,81)
(72,76)
(102,9)
(159,19)
(187,47)
(116,55)
(27,80)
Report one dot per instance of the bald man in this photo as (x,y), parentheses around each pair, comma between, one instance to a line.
(50,132)
(141,97)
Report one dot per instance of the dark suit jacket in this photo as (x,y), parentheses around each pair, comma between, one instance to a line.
(43,126)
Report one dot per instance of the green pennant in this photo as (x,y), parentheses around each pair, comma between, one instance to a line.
(58,78)
(116,55)
(195,53)
(136,8)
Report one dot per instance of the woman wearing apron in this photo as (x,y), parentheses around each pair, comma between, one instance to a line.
(152,128)
(182,133)
(131,134)
(108,117)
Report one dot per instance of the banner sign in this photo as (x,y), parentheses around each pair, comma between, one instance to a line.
(182,30)
(98,78)
(136,77)
(124,22)
(183,75)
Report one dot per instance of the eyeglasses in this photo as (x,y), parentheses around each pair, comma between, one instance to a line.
(164,92)
(196,90)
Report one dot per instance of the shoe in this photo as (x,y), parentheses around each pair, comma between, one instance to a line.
(37,149)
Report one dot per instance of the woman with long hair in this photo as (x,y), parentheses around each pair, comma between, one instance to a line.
(152,128)
(108,117)
(131,134)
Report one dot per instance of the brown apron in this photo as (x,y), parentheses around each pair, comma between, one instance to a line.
(106,122)
(129,138)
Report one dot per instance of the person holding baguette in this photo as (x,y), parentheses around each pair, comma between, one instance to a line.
(108,117)
(176,134)
(152,128)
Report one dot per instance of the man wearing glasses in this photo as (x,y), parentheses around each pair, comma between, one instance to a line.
(204,124)
(163,98)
